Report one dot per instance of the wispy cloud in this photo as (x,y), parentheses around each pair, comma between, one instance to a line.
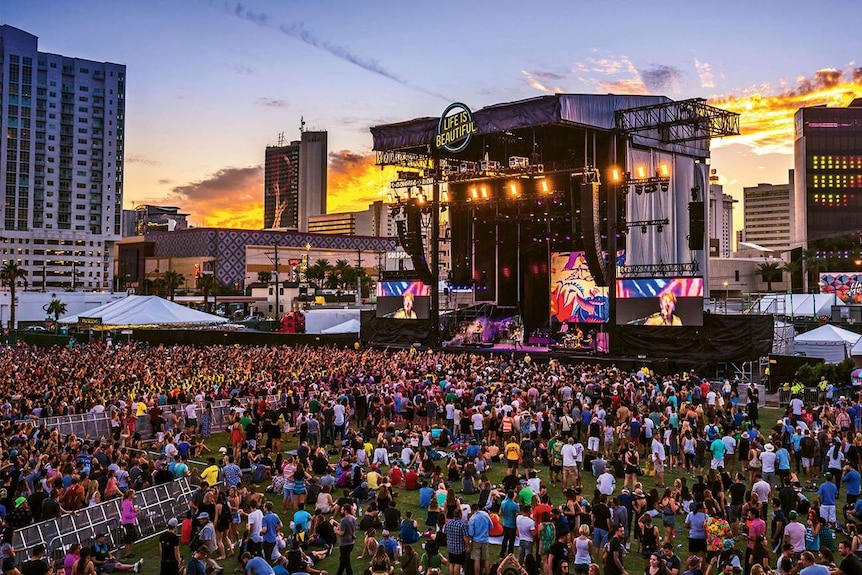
(766,113)
(271,103)
(242,69)
(231,197)
(537,81)
(660,77)
(298,31)
(139,159)
(704,73)
(165,182)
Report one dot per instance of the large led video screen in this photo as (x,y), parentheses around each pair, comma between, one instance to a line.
(405,306)
(575,297)
(846,286)
(399,288)
(660,301)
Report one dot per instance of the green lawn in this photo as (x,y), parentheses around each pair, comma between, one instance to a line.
(408,501)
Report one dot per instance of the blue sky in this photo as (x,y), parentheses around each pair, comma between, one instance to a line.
(211,83)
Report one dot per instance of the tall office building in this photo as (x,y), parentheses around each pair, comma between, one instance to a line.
(720,219)
(62,164)
(828,165)
(295,182)
(769,214)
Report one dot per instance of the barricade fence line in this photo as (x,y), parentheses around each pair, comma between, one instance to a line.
(157,505)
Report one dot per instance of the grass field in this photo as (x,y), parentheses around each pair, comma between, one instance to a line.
(409,501)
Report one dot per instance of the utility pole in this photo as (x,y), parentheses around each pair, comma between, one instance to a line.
(277,314)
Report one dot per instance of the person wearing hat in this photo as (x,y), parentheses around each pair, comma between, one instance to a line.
(767,461)
(106,561)
(207,537)
(794,533)
(20,515)
(390,545)
(169,549)
(196,564)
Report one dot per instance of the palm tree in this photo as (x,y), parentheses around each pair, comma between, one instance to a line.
(342,272)
(208,284)
(10,273)
(264,277)
(771,271)
(56,308)
(171,281)
(317,273)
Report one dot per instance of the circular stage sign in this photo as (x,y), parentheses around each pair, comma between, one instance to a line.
(455,128)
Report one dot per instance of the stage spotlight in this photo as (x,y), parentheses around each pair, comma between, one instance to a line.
(639,189)
(660,228)
(664,170)
(420,199)
(444,196)
(513,189)
(545,186)
(390,198)
(665,185)
(616,175)
(641,172)
(651,188)
(643,229)
(475,193)
(484,193)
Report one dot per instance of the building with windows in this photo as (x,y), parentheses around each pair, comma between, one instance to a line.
(376,221)
(828,166)
(769,215)
(146,217)
(720,219)
(62,157)
(294,182)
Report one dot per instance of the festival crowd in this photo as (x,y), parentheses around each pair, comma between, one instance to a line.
(391,458)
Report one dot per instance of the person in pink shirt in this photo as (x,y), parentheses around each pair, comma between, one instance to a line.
(72,556)
(756,528)
(128,517)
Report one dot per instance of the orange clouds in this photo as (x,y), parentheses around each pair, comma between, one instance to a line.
(766,121)
(354,181)
(230,198)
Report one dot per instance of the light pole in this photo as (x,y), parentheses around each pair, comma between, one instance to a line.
(725,297)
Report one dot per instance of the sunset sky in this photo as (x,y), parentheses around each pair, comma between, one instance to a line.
(212,83)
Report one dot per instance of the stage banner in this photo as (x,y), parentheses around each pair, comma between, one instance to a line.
(575,297)
(846,286)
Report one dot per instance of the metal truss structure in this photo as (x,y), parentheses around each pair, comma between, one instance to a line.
(659,270)
(677,122)
(644,224)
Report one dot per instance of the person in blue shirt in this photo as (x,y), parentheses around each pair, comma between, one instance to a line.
(782,462)
(478,528)
(508,517)
(390,545)
(301,518)
(425,495)
(256,565)
(828,493)
(718,448)
(796,447)
(269,525)
(854,483)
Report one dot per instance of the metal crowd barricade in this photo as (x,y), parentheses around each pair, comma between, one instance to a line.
(158,504)
(220,419)
(80,424)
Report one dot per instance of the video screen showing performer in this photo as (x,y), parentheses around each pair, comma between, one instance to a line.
(668,302)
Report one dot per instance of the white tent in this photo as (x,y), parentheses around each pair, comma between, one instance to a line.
(319,320)
(831,343)
(137,311)
(856,350)
(349,326)
(799,304)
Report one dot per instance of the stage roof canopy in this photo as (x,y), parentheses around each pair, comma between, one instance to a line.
(591,111)
(142,312)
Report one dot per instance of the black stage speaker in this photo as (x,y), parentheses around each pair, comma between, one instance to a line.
(410,238)
(695,225)
(591,226)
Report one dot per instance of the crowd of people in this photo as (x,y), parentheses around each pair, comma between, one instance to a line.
(399,454)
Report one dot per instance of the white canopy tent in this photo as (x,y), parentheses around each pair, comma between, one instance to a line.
(831,343)
(137,311)
(349,326)
(798,305)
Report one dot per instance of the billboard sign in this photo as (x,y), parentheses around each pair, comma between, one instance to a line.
(575,297)
(846,286)
(660,301)
(455,128)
